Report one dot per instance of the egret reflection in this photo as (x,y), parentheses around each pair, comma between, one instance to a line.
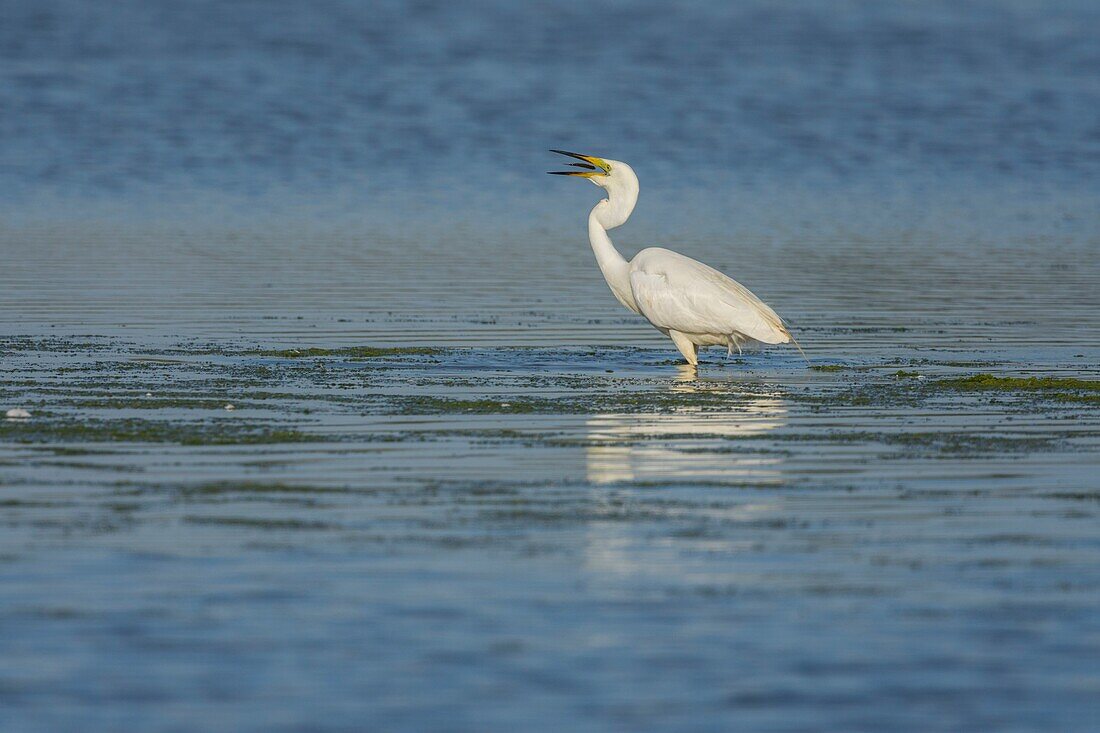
(691,441)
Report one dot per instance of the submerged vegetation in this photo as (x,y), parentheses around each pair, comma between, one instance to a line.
(990,382)
(350,352)
(1058,389)
(288,399)
(132,430)
(256,523)
(605,400)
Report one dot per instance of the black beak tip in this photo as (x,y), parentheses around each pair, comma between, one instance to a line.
(566,153)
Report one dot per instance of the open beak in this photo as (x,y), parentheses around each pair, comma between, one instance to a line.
(592,165)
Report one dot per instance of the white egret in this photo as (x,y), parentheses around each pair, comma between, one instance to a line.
(692,303)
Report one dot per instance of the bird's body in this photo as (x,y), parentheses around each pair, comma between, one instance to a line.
(692,303)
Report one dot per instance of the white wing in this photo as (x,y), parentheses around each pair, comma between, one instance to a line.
(678,293)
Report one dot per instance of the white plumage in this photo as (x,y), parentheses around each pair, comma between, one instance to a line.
(692,303)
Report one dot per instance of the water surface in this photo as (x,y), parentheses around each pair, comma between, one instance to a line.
(490,499)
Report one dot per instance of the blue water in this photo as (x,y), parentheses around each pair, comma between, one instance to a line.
(335,97)
(912,185)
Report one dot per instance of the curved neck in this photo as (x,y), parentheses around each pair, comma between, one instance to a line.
(614,210)
(608,214)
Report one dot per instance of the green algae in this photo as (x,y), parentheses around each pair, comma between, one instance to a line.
(32,504)
(50,345)
(255,523)
(1087,399)
(429,405)
(1076,495)
(312,385)
(221,488)
(351,352)
(640,402)
(68,451)
(910,388)
(948,442)
(1058,389)
(990,382)
(149,431)
(967,443)
(149,403)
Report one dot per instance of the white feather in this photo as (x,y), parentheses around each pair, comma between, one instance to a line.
(692,303)
(675,292)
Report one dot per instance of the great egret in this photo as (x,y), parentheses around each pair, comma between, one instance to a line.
(692,303)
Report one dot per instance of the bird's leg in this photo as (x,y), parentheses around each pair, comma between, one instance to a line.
(686,347)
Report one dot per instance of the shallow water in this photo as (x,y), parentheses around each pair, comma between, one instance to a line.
(490,499)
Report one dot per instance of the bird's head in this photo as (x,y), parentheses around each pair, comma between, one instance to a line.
(612,175)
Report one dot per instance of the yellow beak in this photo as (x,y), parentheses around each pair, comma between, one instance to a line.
(593,166)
